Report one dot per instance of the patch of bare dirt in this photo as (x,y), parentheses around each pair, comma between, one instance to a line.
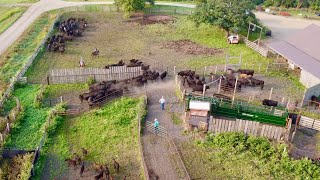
(151,19)
(189,47)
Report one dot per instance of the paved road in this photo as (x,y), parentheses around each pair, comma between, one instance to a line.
(15,31)
(283,26)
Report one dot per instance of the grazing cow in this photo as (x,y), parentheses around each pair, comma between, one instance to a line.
(71,162)
(163,75)
(134,60)
(116,165)
(256,82)
(198,82)
(246,71)
(81,169)
(145,68)
(95,53)
(267,102)
(106,172)
(198,88)
(203,79)
(84,152)
(99,176)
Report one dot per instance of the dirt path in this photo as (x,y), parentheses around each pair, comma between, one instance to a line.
(158,153)
(15,31)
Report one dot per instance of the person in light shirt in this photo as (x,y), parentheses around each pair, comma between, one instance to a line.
(162,102)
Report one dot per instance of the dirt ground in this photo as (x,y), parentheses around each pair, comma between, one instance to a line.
(142,19)
(188,47)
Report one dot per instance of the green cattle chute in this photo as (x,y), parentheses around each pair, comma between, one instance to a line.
(242,110)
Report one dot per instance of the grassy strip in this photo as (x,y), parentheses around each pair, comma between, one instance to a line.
(247,158)
(9,15)
(17,1)
(106,133)
(56,90)
(13,60)
(27,132)
(17,168)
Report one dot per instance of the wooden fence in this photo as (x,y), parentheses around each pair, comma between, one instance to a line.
(82,75)
(20,75)
(248,127)
(309,123)
(261,50)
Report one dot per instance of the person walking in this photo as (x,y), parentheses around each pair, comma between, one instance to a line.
(156,126)
(162,101)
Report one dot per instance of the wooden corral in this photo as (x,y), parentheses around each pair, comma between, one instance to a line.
(218,125)
(82,75)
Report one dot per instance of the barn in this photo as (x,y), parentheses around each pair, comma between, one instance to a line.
(301,51)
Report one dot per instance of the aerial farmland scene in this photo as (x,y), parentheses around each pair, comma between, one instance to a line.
(159,90)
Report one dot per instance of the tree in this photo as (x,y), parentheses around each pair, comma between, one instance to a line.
(129,6)
(228,14)
(315,5)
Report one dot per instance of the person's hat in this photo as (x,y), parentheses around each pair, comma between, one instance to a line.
(155,119)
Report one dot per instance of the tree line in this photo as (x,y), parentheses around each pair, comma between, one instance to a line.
(310,4)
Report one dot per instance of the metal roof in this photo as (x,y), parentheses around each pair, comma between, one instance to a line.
(302,49)
(199,105)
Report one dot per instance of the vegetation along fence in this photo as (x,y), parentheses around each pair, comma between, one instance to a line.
(242,110)
(218,125)
(26,66)
(82,75)
(171,10)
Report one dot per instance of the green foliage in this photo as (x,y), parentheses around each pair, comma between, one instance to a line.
(269,160)
(315,5)
(228,14)
(27,131)
(129,6)
(111,131)
(90,81)
(18,168)
(8,15)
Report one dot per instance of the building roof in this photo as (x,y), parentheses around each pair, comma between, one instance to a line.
(302,49)
(199,105)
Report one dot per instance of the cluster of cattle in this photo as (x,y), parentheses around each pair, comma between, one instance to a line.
(98,92)
(132,63)
(228,81)
(194,81)
(102,170)
(142,79)
(68,30)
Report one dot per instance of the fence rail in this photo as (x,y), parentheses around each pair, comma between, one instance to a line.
(82,75)
(309,123)
(247,127)
(261,50)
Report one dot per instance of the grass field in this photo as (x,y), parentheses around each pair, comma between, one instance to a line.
(17,1)
(28,130)
(109,132)
(235,156)
(13,60)
(9,15)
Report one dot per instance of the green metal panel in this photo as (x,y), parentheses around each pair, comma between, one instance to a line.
(242,110)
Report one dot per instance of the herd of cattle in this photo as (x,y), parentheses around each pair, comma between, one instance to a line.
(99,92)
(228,82)
(67,31)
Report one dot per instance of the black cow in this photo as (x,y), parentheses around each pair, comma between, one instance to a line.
(267,102)
(256,82)
(198,88)
(163,75)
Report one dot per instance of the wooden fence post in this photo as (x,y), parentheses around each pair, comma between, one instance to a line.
(174,69)
(235,90)
(215,71)
(270,95)
(219,86)
(205,70)
(204,89)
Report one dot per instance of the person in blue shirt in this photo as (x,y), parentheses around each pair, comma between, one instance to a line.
(156,125)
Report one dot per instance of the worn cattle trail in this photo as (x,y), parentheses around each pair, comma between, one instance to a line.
(160,157)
